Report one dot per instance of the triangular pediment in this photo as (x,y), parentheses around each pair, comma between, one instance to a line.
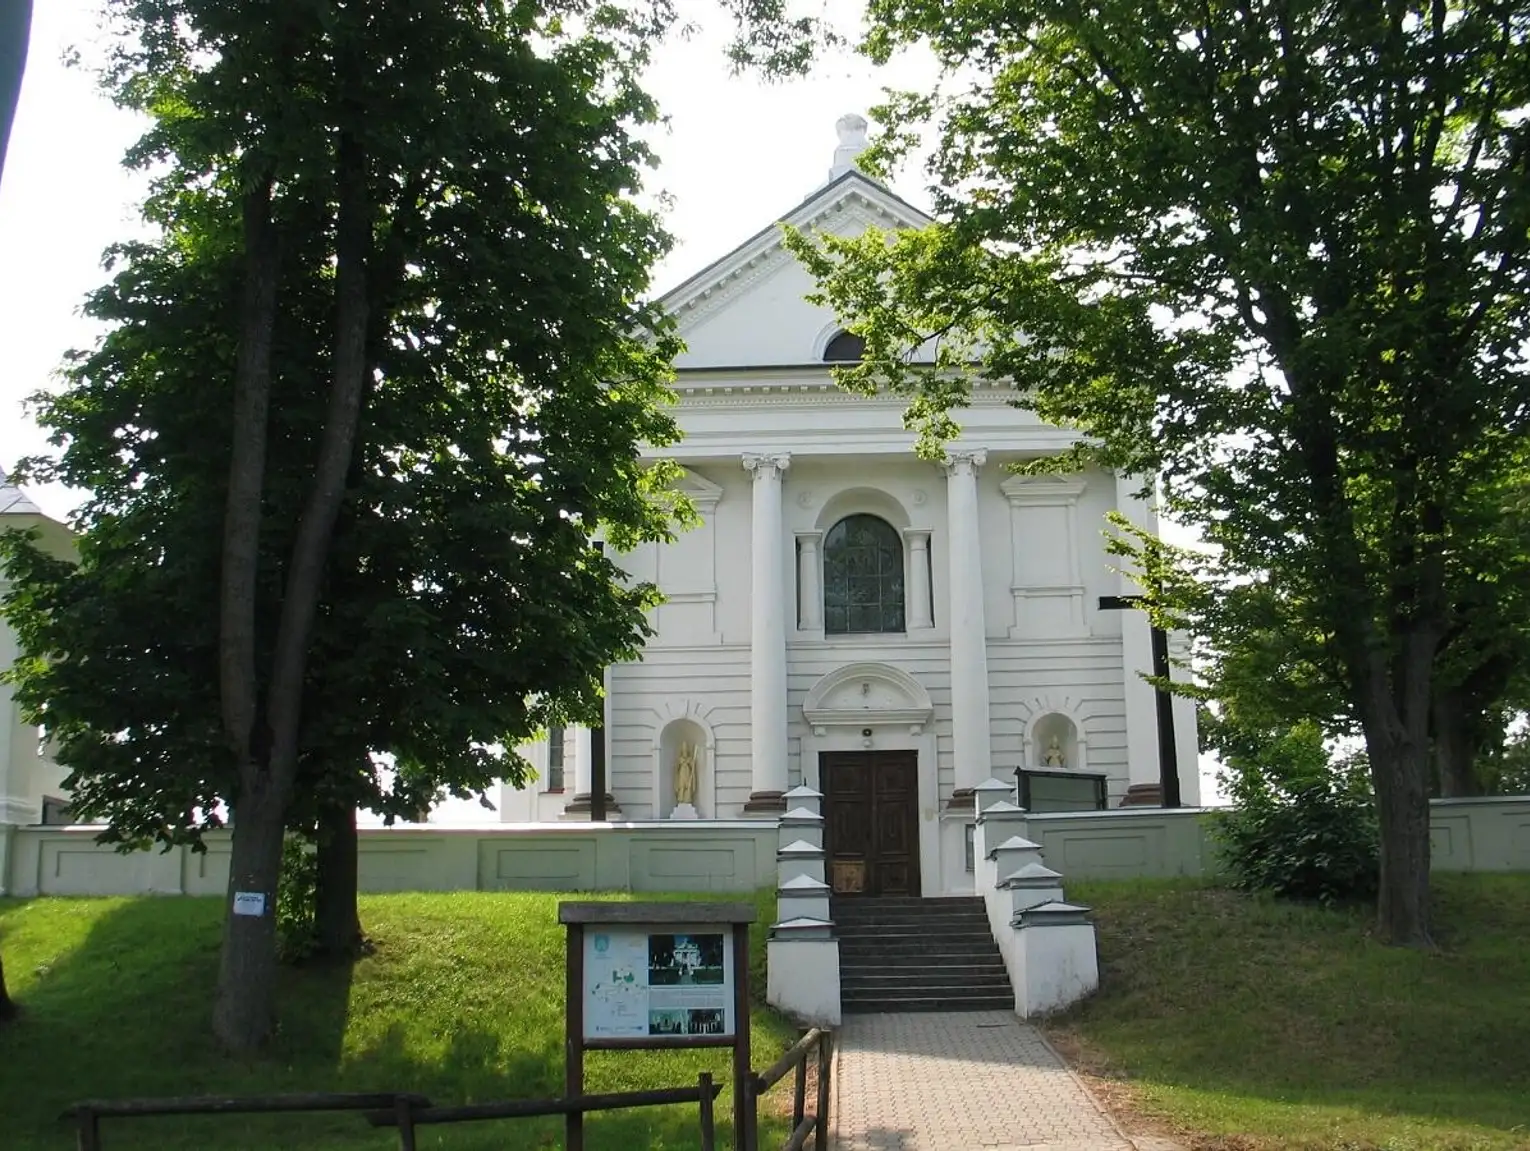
(748,309)
(702,491)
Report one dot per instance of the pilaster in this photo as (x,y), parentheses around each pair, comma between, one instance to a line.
(767,635)
(970,734)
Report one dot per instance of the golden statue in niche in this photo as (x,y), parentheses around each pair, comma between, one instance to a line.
(686,772)
(1054,756)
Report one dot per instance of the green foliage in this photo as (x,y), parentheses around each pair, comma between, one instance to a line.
(1274,257)
(297,930)
(516,379)
(1300,825)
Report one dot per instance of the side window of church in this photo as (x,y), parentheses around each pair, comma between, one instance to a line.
(862,577)
(554,781)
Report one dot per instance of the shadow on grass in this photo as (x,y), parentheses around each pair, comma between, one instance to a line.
(1256,1011)
(118,1007)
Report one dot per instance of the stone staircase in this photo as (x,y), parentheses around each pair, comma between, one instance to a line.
(902,953)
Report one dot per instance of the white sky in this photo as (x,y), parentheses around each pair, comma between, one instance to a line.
(738,152)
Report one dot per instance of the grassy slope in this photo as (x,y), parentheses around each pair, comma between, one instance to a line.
(463,1001)
(1291,1027)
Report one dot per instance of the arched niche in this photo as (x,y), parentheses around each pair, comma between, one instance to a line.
(675,732)
(1055,726)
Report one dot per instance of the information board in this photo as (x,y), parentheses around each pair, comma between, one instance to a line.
(657,982)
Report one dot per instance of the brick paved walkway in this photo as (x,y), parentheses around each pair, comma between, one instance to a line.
(950,1081)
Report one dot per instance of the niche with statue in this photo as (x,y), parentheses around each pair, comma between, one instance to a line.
(1055,744)
(684,785)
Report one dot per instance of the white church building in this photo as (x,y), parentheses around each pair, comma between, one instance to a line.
(852,618)
(846,618)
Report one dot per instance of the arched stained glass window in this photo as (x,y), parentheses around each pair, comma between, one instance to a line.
(862,577)
(845,348)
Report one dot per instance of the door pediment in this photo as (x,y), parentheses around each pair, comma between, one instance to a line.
(861,694)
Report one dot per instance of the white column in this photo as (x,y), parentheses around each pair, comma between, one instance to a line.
(809,582)
(918,602)
(970,735)
(767,635)
(1141,703)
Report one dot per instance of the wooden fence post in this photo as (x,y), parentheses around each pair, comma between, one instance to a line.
(799,1094)
(404,1109)
(90,1131)
(825,1065)
(708,1122)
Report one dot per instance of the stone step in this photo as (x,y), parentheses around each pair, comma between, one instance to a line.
(995,981)
(978,957)
(965,924)
(879,908)
(936,949)
(933,1002)
(894,937)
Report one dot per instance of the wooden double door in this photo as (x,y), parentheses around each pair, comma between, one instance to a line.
(871,824)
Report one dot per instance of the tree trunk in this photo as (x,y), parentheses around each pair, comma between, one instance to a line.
(7,1004)
(1454,747)
(310,551)
(336,920)
(1400,773)
(244,1010)
(1396,723)
(244,1004)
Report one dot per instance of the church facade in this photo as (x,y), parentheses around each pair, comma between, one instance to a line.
(851,618)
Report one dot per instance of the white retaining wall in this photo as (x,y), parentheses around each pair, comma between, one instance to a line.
(724,856)
(733,856)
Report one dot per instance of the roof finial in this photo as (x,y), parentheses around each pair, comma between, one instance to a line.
(852,142)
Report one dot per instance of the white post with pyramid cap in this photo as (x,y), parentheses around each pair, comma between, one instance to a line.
(802,955)
(1048,945)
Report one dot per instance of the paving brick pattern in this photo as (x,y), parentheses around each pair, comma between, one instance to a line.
(949,1081)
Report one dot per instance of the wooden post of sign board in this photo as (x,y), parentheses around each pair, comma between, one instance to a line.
(573,1037)
(730,920)
(743,1073)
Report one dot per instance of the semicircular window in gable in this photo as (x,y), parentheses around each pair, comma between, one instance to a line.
(845,348)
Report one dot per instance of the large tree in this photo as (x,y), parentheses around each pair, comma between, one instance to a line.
(435,378)
(1273,254)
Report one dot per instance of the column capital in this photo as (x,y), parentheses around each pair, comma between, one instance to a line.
(964,461)
(917,537)
(767,465)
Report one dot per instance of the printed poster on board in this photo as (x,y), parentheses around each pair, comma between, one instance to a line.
(646,982)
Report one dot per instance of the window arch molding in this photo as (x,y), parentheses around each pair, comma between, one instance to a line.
(863,501)
(914,546)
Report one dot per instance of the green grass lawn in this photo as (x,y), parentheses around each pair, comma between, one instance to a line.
(1257,1024)
(463,1001)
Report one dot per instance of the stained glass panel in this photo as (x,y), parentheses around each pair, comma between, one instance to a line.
(862,577)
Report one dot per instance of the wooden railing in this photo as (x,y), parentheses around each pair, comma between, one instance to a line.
(816,1042)
(404,1111)
(704,1094)
(87,1115)
(407,1111)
